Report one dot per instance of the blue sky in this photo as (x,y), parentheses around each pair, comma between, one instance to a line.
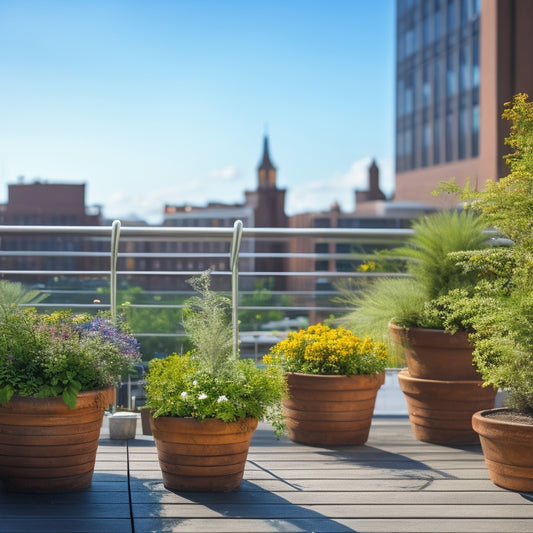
(167,101)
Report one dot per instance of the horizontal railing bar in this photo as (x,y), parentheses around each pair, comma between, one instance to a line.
(166,231)
(128,231)
(316,274)
(189,255)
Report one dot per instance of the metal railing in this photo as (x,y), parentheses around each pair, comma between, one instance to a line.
(102,256)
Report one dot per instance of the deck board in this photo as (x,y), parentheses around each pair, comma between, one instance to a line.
(392,484)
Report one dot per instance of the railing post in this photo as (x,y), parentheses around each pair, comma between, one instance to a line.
(234,265)
(115,236)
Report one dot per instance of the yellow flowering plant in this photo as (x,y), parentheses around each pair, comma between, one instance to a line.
(320,349)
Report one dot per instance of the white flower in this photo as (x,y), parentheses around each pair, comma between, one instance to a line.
(222,399)
(184,394)
(195,383)
(202,396)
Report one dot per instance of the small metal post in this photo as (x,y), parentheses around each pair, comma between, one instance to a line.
(115,236)
(234,264)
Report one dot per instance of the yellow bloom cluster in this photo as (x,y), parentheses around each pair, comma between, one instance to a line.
(322,350)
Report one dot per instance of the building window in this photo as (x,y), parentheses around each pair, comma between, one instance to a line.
(475,131)
(449,137)
(436,141)
(426,143)
(463,131)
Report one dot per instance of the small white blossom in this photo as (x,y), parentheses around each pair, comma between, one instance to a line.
(222,399)
(195,383)
(202,396)
(184,394)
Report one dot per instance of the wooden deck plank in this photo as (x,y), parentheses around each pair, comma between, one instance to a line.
(290,511)
(392,484)
(317,497)
(58,525)
(325,525)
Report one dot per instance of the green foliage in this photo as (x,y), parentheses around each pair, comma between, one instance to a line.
(151,319)
(499,311)
(207,323)
(250,320)
(507,204)
(320,349)
(60,353)
(434,238)
(177,386)
(208,382)
(14,293)
(433,273)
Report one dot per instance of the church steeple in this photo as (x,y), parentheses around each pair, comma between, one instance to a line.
(266,170)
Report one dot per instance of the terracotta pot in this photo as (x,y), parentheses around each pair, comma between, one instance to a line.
(508,450)
(202,456)
(47,447)
(145,421)
(441,411)
(435,354)
(330,410)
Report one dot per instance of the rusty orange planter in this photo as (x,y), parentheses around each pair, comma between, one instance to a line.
(441,411)
(47,447)
(435,354)
(508,450)
(330,410)
(202,456)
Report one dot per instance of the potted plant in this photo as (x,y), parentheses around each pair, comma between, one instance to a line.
(333,379)
(441,385)
(57,373)
(206,404)
(500,310)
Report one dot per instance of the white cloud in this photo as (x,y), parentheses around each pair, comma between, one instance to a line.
(228,173)
(317,195)
(148,205)
(340,188)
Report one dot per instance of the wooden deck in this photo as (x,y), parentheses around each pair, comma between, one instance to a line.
(392,484)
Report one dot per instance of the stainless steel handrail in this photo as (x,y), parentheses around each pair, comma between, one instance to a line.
(112,236)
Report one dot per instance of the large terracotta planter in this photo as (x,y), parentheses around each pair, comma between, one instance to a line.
(47,447)
(441,411)
(202,456)
(508,450)
(441,385)
(435,354)
(330,410)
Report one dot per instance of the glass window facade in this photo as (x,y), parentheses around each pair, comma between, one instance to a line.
(437,82)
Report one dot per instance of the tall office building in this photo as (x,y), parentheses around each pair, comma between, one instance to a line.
(457,63)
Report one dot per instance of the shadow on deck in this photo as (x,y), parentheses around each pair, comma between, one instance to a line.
(392,484)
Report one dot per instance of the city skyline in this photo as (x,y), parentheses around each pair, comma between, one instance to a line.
(167,101)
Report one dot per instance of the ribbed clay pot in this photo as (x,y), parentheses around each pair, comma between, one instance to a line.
(330,410)
(202,456)
(441,411)
(508,449)
(435,354)
(47,447)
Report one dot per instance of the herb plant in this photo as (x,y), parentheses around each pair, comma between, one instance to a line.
(499,309)
(208,381)
(61,354)
(432,273)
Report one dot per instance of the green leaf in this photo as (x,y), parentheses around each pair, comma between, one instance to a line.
(6,393)
(70,394)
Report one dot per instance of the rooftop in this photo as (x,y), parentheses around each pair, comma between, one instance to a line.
(392,484)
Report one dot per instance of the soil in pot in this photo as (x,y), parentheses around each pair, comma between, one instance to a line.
(507,441)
